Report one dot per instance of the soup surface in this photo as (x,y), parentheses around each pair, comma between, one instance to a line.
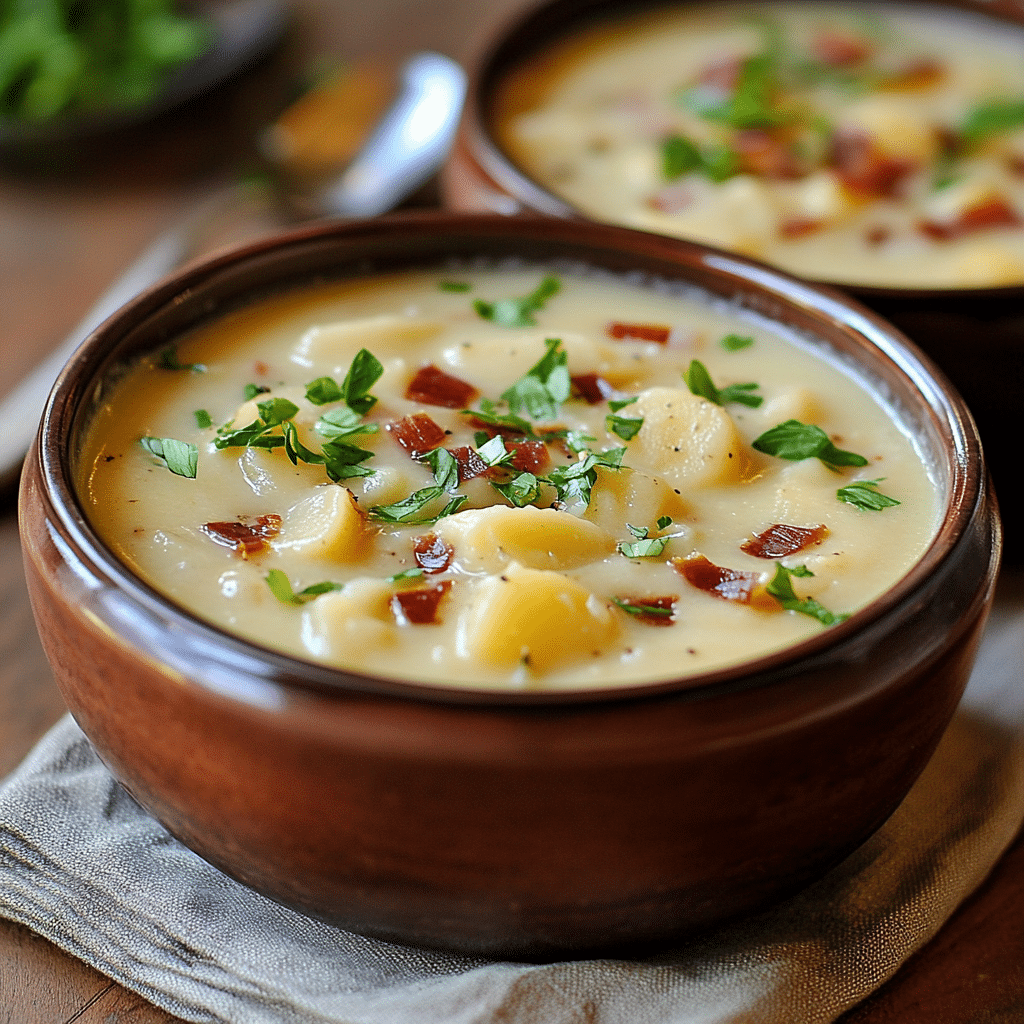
(862,145)
(509,477)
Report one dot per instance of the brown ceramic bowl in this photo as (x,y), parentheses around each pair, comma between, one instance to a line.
(976,335)
(516,824)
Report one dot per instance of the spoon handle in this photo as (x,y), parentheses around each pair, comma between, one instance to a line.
(406,148)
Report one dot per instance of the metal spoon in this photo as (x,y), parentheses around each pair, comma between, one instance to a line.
(404,151)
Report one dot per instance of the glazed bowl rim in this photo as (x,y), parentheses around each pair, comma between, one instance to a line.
(485,149)
(933,397)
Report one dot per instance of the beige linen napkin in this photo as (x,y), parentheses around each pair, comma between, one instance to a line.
(81,864)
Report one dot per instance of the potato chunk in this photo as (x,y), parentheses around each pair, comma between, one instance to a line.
(327,524)
(627,496)
(686,439)
(350,625)
(534,617)
(486,539)
(384,335)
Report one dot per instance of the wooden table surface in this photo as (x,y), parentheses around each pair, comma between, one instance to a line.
(66,230)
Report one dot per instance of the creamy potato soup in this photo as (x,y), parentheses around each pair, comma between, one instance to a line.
(511,477)
(864,145)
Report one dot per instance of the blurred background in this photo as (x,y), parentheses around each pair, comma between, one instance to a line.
(83,191)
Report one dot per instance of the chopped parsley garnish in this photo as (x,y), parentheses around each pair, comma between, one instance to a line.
(623,426)
(250,391)
(643,610)
(679,156)
(168,360)
(865,494)
(487,413)
(323,390)
(735,342)
(993,118)
(519,312)
(180,457)
(445,467)
(412,510)
(364,372)
(644,546)
(454,286)
(574,482)
(749,105)
(795,441)
(274,411)
(698,380)
(281,588)
(406,574)
(781,588)
(203,419)
(544,387)
(521,490)
(615,404)
(343,422)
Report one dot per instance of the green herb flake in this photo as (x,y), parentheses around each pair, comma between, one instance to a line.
(864,494)
(544,387)
(203,419)
(698,380)
(795,441)
(995,117)
(445,468)
(521,490)
(168,360)
(280,586)
(454,286)
(622,426)
(519,312)
(680,155)
(412,510)
(574,483)
(363,373)
(323,390)
(250,391)
(642,610)
(180,457)
(406,574)
(735,342)
(275,411)
(781,588)
(343,422)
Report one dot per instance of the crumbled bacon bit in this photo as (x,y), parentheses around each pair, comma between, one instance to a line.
(672,198)
(728,584)
(798,227)
(781,539)
(918,74)
(994,212)
(767,155)
(529,456)
(432,554)
(839,49)
(1015,162)
(261,368)
(862,168)
(638,332)
(722,74)
(419,606)
(877,235)
(470,464)
(639,606)
(433,386)
(417,434)
(591,388)
(247,538)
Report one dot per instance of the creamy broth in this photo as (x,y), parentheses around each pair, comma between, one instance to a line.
(593,521)
(864,145)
